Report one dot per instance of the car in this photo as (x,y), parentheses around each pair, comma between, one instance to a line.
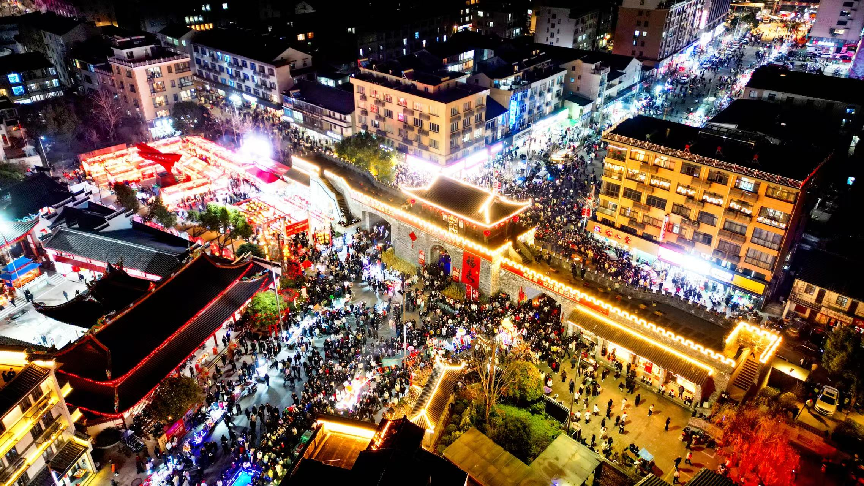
(826,403)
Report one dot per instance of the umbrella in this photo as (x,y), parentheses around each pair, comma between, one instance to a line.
(306,264)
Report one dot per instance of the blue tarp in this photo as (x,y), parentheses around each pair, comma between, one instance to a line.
(17,263)
(10,276)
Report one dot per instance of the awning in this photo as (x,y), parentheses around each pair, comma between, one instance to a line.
(262,175)
(16,274)
(17,263)
(66,457)
(643,346)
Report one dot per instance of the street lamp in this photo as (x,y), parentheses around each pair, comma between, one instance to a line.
(42,150)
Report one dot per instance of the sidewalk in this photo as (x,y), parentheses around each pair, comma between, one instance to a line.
(644,431)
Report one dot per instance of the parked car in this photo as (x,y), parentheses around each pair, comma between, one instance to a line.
(826,403)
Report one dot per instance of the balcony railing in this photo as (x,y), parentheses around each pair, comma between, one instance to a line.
(745,195)
(651,169)
(425,133)
(424,116)
(693,203)
(645,187)
(606,211)
(725,256)
(362,97)
(379,103)
(729,235)
(737,215)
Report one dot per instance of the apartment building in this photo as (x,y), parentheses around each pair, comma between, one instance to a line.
(842,98)
(823,295)
(580,27)
(28,78)
(405,31)
(601,77)
(321,111)
(507,19)
(54,37)
(149,78)
(256,69)
(838,24)
(432,116)
(655,30)
(38,444)
(723,205)
(527,82)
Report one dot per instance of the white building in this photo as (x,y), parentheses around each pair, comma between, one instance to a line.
(255,69)
(326,112)
(567,26)
(838,23)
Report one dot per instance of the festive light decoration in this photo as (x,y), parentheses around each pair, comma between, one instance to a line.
(642,337)
(430,427)
(347,429)
(773,338)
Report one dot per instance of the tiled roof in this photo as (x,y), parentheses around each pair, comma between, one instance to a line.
(707,477)
(643,347)
(465,200)
(66,457)
(27,197)
(24,382)
(178,317)
(822,269)
(334,99)
(95,246)
(494,109)
(652,480)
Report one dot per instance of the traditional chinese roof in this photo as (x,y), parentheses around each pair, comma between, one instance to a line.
(117,366)
(114,291)
(467,201)
(26,198)
(140,247)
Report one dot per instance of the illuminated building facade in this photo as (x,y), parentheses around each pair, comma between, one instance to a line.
(655,30)
(823,295)
(28,78)
(37,431)
(727,209)
(149,78)
(434,117)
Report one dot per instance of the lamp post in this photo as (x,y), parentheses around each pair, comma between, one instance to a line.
(42,151)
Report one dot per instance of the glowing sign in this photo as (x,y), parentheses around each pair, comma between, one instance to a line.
(687,262)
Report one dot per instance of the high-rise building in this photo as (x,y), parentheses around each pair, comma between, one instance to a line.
(726,205)
(54,37)
(149,78)
(655,30)
(580,27)
(838,24)
(431,116)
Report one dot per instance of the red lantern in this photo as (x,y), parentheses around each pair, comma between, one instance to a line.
(516,218)
(412,236)
(486,233)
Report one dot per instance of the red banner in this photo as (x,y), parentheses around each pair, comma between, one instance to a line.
(298,227)
(471,270)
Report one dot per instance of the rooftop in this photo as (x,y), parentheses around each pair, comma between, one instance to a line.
(467,201)
(333,99)
(26,198)
(781,80)
(456,91)
(562,55)
(154,54)
(244,43)
(788,164)
(707,477)
(49,22)
(25,380)
(140,247)
(494,109)
(830,271)
(28,61)
(779,121)
(176,31)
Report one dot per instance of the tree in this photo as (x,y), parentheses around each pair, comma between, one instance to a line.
(107,114)
(251,248)
(11,172)
(522,433)
(527,384)
(756,441)
(189,117)
(843,359)
(496,370)
(230,223)
(158,212)
(174,397)
(126,197)
(264,309)
(60,120)
(364,150)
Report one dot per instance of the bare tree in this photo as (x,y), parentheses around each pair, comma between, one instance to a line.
(492,363)
(108,111)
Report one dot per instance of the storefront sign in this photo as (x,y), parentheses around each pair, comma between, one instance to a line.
(298,227)
(836,315)
(687,262)
(421,258)
(747,284)
(721,275)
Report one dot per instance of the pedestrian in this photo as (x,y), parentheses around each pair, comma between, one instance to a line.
(668,419)
(689,457)
(677,462)
(623,403)
(572,386)
(675,477)
(651,410)
(638,398)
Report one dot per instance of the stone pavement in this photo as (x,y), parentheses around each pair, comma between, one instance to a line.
(644,431)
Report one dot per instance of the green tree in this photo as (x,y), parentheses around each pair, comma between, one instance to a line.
(263,311)
(251,248)
(174,397)
(126,197)
(364,150)
(189,117)
(11,172)
(228,222)
(843,359)
(496,370)
(527,384)
(521,433)
(159,213)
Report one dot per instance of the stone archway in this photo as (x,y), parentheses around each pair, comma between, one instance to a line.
(438,255)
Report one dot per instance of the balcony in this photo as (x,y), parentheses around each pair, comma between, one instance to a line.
(455,147)
(697,182)
(364,112)
(466,131)
(690,223)
(422,147)
(729,235)
(612,174)
(408,111)
(645,188)
(637,225)
(468,112)
(738,215)
(693,203)
(642,207)
(606,211)
(379,103)
(408,127)
(362,97)
(381,133)
(748,196)
(364,127)
(379,118)
(726,257)
(424,116)
(651,169)
(407,141)
(684,242)
(425,133)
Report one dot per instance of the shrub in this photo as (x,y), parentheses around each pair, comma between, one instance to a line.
(450,428)
(788,401)
(769,392)
(393,262)
(849,435)
(537,407)
(454,291)
(527,383)
(522,433)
